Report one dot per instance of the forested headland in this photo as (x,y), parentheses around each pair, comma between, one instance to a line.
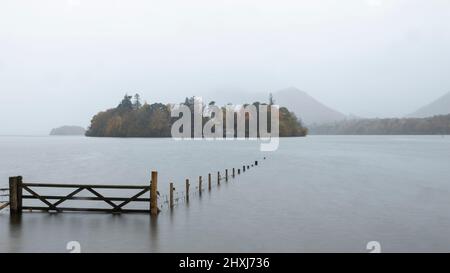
(132,118)
(437,125)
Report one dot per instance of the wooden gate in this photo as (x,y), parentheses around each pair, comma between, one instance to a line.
(19,191)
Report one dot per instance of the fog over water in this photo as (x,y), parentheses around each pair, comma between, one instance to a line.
(63,61)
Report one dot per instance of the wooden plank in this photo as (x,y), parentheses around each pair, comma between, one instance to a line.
(103,198)
(4,205)
(67,197)
(86,209)
(131,199)
(51,206)
(84,186)
(51,197)
(19,193)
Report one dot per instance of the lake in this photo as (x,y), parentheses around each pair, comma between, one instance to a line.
(314,194)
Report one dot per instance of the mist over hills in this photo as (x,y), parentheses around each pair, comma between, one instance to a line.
(440,106)
(307,109)
(68,130)
(431,119)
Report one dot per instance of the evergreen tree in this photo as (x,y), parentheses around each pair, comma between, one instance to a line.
(137,101)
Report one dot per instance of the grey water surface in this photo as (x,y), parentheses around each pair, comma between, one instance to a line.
(314,194)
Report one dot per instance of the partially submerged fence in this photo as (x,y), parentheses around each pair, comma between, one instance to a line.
(20,191)
(3,204)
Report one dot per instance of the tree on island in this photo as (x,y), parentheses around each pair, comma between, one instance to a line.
(132,119)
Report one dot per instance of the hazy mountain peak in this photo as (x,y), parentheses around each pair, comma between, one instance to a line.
(307,108)
(440,106)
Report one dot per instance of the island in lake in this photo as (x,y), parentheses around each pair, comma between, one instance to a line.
(68,131)
(131,118)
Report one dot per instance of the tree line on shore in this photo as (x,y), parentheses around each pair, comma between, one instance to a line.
(437,125)
(132,118)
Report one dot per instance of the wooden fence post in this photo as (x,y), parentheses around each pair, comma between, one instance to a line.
(226,174)
(15,195)
(154,194)
(187,190)
(200,184)
(171,195)
(209,181)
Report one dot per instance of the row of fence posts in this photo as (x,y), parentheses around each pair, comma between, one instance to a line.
(200,182)
(15,189)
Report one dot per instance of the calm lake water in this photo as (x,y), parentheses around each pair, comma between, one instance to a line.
(315,194)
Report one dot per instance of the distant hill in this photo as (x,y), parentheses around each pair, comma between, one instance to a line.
(437,125)
(441,106)
(305,107)
(68,131)
(308,109)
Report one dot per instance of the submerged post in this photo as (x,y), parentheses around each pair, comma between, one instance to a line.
(187,190)
(200,184)
(218,178)
(226,174)
(154,194)
(15,195)
(171,195)
(209,181)
(243,169)
(239,171)
(256,163)
(233,173)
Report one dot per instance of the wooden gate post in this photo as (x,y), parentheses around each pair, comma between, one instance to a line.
(187,190)
(15,195)
(154,194)
(171,195)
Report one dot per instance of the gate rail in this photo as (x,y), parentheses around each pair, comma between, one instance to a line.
(3,204)
(18,189)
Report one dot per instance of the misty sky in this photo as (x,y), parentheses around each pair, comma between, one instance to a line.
(63,61)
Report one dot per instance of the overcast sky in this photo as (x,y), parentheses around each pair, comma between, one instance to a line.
(63,61)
